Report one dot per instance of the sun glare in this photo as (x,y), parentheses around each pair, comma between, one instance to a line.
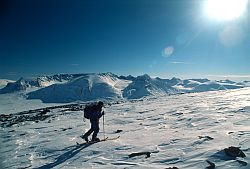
(224,10)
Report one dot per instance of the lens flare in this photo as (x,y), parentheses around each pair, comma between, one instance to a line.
(168,51)
(224,10)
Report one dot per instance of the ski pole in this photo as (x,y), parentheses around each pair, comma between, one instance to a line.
(103,127)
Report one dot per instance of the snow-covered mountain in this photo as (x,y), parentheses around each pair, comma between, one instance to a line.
(73,87)
(226,81)
(245,83)
(4,82)
(19,85)
(42,81)
(203,85)
(84,88)
(145,86)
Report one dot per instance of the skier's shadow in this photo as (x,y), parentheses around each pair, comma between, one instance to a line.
(65,156)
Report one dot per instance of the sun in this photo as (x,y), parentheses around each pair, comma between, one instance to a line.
(224,10)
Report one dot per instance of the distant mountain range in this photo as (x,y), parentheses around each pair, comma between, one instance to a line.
(63,88)
(4,82)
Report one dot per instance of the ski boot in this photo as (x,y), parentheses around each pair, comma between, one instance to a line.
(95,140)
(85,138)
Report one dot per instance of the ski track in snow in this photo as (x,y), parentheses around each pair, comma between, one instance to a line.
(168,127)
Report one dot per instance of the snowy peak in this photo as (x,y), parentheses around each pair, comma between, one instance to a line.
(226,81)
(46,80)
(203,85)
(91,86)
(21,84)
(173,81)
(4,82)
(129,77)
(145,85)
(42,81)
(85,88)
(200,80)
(245,83)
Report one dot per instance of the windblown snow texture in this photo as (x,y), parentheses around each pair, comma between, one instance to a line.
(181,131)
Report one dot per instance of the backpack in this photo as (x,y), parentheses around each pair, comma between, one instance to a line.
(88,110)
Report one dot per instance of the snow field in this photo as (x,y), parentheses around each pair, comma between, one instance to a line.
(169,127)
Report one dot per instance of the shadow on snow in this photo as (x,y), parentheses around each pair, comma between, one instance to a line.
(66,156)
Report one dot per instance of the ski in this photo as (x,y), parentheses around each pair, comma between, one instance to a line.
(92,142)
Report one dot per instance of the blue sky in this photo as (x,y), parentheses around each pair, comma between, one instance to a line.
(164,38)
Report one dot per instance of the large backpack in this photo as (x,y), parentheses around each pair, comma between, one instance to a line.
(88,110)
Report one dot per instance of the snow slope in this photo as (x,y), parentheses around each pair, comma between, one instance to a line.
(110,86)
(179,131)
(19,85)
(41,81)
(84,88)
(203,85)
(15,102)
(245,83)
(146,86)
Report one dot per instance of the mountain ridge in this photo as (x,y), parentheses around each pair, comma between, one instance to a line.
(92,86)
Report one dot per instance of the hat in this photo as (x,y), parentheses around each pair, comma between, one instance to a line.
(100,103)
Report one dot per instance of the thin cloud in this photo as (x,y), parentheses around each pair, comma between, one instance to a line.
(230,76)
(185,63)
(12,74)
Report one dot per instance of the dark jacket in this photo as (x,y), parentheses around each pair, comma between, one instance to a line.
(96,114)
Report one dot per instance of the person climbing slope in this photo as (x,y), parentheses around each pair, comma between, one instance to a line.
(93,112)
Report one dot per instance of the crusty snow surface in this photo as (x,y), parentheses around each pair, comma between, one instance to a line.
(168,127)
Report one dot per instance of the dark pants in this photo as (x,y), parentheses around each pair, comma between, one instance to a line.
(94,128)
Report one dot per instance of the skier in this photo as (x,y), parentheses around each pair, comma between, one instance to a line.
(94,116)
